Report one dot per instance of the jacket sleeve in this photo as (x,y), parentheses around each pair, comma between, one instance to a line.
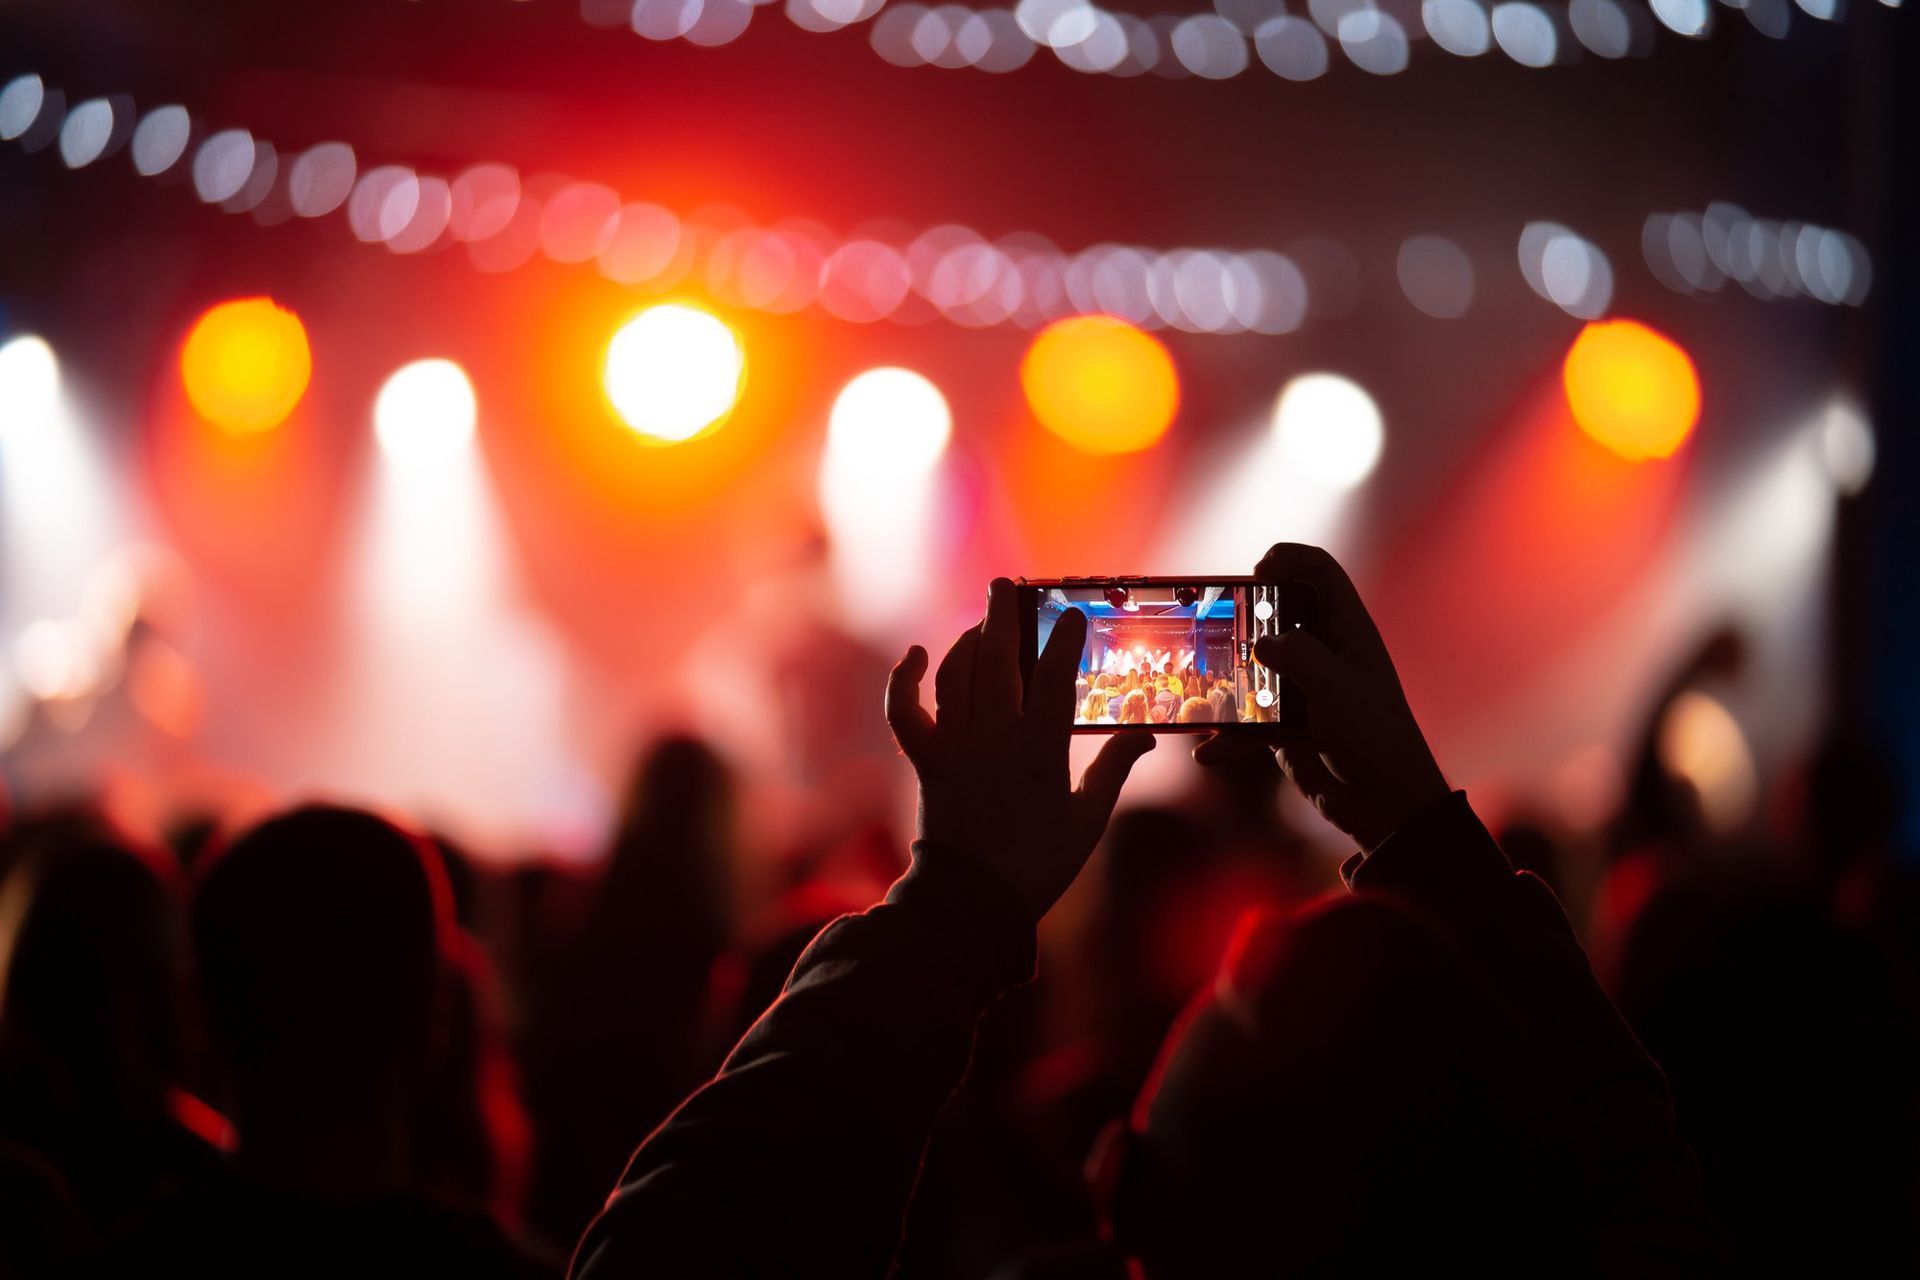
(800,1156)
(1510,924)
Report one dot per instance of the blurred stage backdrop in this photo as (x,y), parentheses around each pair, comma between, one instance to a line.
(426,402)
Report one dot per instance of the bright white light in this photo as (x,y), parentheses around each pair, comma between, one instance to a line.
(1458,26)
(20,103)
(88,129)
(1263,609)
(1683,17)
(1210,47)
(1292,48)
(1525,34)
(160,140)
(673,371)
(890,423)
(1566,269)
(58,507)
(424,413)
(885,436)
(29,384)
(321,179)
(1374,42)
(223,164)
(1329,429)
(1263,696)
(1847,448)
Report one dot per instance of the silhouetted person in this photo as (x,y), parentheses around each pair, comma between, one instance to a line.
(614,1040)
(320,939)
(88,1046)
(800,1156)
(1793,1048)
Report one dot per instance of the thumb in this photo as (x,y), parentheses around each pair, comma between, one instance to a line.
(1100,785)
(1299,656)
(911,724)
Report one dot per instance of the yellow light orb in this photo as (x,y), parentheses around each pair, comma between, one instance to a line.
(1632,389)
(674,373)
(246,364)
(1100,384)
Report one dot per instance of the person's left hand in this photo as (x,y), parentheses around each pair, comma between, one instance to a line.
(994,780)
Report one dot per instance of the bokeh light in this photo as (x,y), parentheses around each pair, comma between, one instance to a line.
(1101,384)
(160,139)
(674,372)
(889,422)
(879,490)
(425,413)
(246,364)
(1847,447)
(1701,742)
(1329,430)
(87,132)
(29,384)
(1632,389)
(1436,275)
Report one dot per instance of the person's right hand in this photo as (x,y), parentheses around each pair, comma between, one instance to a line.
(1360,757)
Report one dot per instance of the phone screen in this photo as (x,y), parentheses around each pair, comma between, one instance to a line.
(1169,655)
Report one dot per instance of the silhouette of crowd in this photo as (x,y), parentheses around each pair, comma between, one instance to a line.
(334,1043)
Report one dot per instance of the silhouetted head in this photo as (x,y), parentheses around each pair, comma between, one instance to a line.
(1853,800)
(318,936)
(672,858)
(88,952)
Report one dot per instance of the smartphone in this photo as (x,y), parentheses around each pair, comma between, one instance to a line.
(1170,655)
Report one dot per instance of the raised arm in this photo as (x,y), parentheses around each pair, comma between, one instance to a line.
(800,1156)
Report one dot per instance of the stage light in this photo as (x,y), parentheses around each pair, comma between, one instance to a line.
(1329,430)
(160,139)
(1100,384)
(1186,597)
(889,424)
(1118,597)
(424,413)
(1263,609)
(674,372)
(1701,742)
(879,492)
(1847,448)
(87,132)
(246,364)
(29,384)
(1632,389)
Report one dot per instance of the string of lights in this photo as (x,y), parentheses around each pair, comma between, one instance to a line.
(950,272)
(1379,37)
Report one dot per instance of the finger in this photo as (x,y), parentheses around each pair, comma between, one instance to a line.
(1340,616)
(996,671)
(1050,689)
(909,721)
(1225,750)
(1299,656)
(1100,785)
(1309,772)
(953,682)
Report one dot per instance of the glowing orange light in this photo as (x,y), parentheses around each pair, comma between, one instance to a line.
(1100,384)
(1632,389)
(246,364)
